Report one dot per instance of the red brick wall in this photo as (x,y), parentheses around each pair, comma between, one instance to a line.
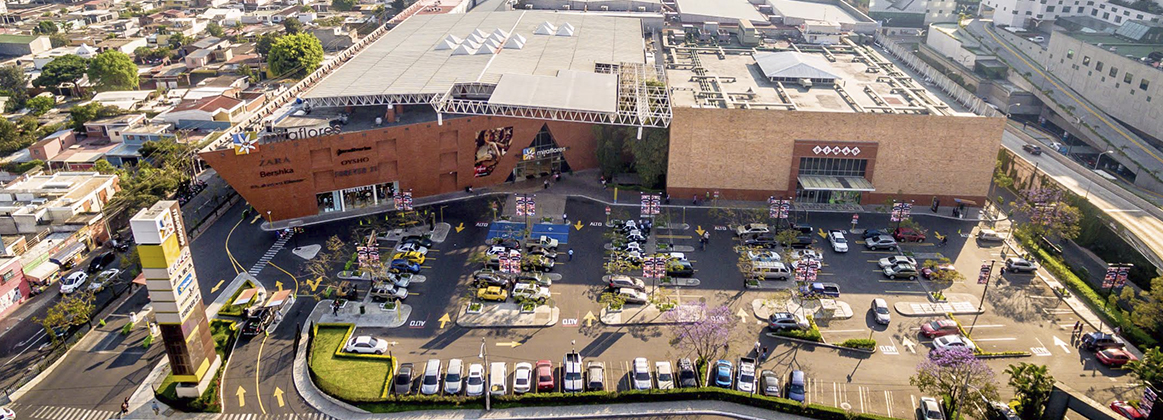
(426,158)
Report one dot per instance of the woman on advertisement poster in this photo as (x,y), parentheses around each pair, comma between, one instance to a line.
(491,146)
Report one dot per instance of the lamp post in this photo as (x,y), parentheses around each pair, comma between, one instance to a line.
(484,356)
(1099,158)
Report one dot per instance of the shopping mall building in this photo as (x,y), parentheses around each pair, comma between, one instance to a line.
(449,101)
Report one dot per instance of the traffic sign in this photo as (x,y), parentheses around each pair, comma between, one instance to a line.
(607,210)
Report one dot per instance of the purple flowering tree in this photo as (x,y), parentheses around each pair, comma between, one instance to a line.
(959,374)
(1048,213)
(702,335)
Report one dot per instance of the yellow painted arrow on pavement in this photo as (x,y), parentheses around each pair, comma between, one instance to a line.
(241,396)
(443,320)
(256,217)
(279,285)
(510,344)
(216,286)
(822,234)
(590,318)
(700,231)
(315,285)
(459,227)
(578,225)
(279,395)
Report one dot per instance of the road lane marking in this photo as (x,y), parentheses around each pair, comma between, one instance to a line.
(842,331)
(257,369)
(995,339)
(888,401)
(906,292)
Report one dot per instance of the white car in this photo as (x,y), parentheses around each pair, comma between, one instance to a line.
(412,247)
(838,241)
(641,374)
(1020,265)
(764,256)
(746,380)
(522,378)
(452,377)
(930,409)
(751,229)
(103,279)
(633,296)
(73,282)
(366,344)
(496,250)
(430,383)
(664,375)
(474,383)
(989,235)
(530,291)
(896,259)
(7,414)
(880,310)
(953,341)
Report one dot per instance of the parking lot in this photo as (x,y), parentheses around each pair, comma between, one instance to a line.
(1020,312)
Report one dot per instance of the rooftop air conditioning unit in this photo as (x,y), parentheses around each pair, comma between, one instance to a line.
(641,8)
(605,8)
(566,7)
(528,7)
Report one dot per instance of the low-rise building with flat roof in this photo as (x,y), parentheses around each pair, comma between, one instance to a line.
(28,204)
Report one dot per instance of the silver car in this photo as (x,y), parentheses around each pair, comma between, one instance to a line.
(880,311)
(430,384)
(452,377)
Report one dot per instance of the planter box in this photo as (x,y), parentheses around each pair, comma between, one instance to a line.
(478,309)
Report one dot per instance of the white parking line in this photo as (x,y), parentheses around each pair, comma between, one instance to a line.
(995,339)
(987,326)
(913,398)
(888,401)
(841,331)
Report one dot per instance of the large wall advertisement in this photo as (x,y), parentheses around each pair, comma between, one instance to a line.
(492,145)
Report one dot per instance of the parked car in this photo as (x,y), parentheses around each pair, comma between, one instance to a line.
(366,344)
(880,311)
(763,256)
(411,256)
(547,242)
(908,234)
(545,252)
(989,235)
(633,296)
(453,379)
(765,240)
(641,374)
(687,378)
(838,241)
(1020,265)
(953,341)
(103,279)
(769,383)
(100,261)
(522,378)
(571,373)
(751,229)
(493,293)
(489,277)
(474,383)
(907,271)
(544,373)
(430,383)
(418,240)
(412,247)
(679,268)
(530,291)
(1030,148)
(795,385)
(404,266)
(385,292)
(620,281)
(1115,357)
(746,380)
(894,260)
(635,236)
(872,233)
(663,375)
(780,321)
(880,242)
(595,376)
(7,414)
(498,374)
(535,277)
(826,289)
(930,409)
(73,281)
(722,374)
(402,385)
(1125,409)
(939,328)
(1100,341)
(534,262)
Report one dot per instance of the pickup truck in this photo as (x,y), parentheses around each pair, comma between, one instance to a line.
(825,289)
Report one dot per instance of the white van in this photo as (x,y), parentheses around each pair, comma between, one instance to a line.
(498,373)
(770,270)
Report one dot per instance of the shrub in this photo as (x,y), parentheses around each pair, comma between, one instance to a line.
(128,328)
(859,343)
(811,334)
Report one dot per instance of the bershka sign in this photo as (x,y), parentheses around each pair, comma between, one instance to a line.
(302,133)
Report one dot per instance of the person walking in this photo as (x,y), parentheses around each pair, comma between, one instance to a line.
(944,240)
(124,407)
(570,252)
(764,355)
(603,182)
(565,217)
(1077,326)
(546,183)
(156,409)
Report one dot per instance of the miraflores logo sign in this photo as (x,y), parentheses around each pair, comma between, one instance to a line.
(836,150)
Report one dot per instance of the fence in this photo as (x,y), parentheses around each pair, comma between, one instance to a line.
(947,85)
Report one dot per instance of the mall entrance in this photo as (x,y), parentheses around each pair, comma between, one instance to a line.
(542,158)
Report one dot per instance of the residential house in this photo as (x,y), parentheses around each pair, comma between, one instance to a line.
(209,113)
(168,77)
(335,38)
(28,204)
(52,145)
(110,128)
(14,288)
(129,152)
(207,43)
(124,99)
(18,45)
(199,58)
(125,45)
(82,156)
(226,17)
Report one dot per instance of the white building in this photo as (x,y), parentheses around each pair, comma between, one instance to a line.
(1033,13)
(27,204)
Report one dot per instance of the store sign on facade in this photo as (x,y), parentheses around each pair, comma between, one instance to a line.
(531,153)
(836,150)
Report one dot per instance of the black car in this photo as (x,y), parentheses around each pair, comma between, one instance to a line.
(679,268)
(403,382)
(1096,341)
(99,262)
(1032,149)
(766,240)
(872,233)
(418,240)
(687,378)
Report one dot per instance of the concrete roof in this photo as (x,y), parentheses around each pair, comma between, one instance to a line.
(410,59)
(795,65)
(824,12)
(568,90)
(736,9)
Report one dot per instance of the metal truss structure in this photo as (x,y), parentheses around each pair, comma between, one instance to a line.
(370,100)
(643,100)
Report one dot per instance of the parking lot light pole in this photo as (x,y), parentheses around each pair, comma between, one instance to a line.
(982,304)
(484,355)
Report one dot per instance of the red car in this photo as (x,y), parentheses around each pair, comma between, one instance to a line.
(544,373)
(905,234)
(940,328)
(1115,357)
(1126,410)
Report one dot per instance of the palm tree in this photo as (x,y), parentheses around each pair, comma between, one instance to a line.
(1032,386)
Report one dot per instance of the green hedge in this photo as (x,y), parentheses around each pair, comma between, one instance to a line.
(1081,289)
(413,402)
(859,343)
(349,377)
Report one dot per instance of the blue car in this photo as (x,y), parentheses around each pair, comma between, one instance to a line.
(723,374)
(402,265)
(795,385)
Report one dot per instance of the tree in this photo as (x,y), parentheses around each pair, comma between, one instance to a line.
(650,155)
(292,26)
(1048,213)
(704,337)
(944,276)
(14,85)
(1149,370)
(89,112)
(295,55)
(611,145)
(113,70)
(264,43)
(214,29)
(131,262)
(73,310)
(176,40)
(1148,311)
(399,5)
(1032,386)
(323,265)
(343,5)
(46,27)
(41,104)
(64,69)
(956,373)
(58,40)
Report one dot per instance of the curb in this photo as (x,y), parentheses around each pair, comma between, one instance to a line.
(302,379)
(819,344)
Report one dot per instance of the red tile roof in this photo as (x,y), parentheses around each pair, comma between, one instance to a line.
(209,104)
